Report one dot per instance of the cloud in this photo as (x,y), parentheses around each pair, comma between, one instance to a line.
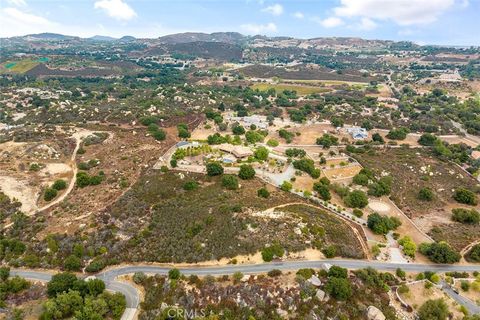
(367,24)
(402,12)
(117,9)
(330,22)
(18,3)
(253,28)
(275,9)
(299,15)
(20,22)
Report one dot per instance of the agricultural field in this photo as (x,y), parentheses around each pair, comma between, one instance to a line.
(18,67)
(300,89)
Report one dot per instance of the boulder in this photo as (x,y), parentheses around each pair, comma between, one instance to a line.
(314,280)
(373,313)
(320,295)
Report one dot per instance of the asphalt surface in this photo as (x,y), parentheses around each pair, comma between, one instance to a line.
(133,298)
(472,307)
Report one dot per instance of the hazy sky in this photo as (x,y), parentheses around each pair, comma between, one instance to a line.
(453,22)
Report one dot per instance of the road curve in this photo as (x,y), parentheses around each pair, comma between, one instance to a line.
(132,296)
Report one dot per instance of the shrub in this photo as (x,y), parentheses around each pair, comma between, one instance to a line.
(295,153)
(238,130)
(272,143)
(361,179)
(59,184)
(246,172)
(356,199)
(139,277)
(214,169)
(190,185)
(96,265)
(466,216)
(382,224)
(60,282)
(397,134)
(330,251)
(327,141)
(409,247)
(425,194)
(159,135)
(427,139)
(305,273)
(72,263)
(230,182)
(433,309)
(465,196)
(174,274)
(50,194)
(337,272)
(173,163)
(261,153)
(263,192)
(308,166)
(322,190)
(357,213)
(439,252)
(286,186)
(474,253)
(339,288)
(274,273)
(275,250)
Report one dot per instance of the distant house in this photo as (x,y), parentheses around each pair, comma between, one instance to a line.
(358,133)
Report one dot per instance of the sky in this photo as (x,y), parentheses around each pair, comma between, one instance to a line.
(445,22)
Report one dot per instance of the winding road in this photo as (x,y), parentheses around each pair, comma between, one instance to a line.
(133,296)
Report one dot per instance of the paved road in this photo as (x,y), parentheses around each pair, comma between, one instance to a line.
(133,298)
(472,307)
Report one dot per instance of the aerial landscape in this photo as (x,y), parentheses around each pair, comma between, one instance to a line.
(321,162)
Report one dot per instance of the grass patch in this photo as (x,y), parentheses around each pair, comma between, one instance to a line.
(300,89)
(21,66)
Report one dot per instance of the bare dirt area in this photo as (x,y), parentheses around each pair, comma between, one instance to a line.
(120,159)
(29,167)
(341,172)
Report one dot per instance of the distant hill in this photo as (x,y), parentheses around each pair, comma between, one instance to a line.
(102,38)
(127,38)
(49,36)
(226,37)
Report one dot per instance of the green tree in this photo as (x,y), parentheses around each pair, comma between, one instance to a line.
(59,184)
(433,310)
(427,139)
(50,194)
(214,169)
(246,172)
(463,215)
(174,274)
(72,263)
(339,288)
(61,282)
(356,199)
(261,153)
(322,190)
(439,252)
(381,224)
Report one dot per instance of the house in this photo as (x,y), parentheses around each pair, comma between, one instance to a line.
(239,152)
(358,133)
